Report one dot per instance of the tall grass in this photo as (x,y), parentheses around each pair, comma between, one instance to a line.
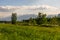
(17,32)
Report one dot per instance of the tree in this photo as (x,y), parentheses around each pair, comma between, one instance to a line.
(14,18)
(39,15)
(41,19)
(32,21)
(58,20)
(53,21)
(44,19)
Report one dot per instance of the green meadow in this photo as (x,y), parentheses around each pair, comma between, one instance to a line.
(18,32)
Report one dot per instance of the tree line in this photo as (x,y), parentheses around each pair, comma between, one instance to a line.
(41,19)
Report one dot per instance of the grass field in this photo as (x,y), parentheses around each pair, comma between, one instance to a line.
(17,32)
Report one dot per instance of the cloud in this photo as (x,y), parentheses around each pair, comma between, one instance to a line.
(23,10)
(37,8)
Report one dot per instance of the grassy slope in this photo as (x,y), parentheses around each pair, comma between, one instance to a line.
(15,32)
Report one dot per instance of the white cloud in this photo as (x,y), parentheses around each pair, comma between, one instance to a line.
(21,10)
(37,8)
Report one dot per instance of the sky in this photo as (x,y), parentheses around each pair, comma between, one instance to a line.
(29,7)
(30,2)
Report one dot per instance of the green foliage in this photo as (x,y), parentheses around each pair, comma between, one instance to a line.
(58,20)
(17,32)
(32,21)
(14,18)
(41,19)
(53,21)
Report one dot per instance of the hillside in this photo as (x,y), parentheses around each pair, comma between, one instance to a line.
(17,32)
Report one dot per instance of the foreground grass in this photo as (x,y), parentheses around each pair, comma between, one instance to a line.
(17,32)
